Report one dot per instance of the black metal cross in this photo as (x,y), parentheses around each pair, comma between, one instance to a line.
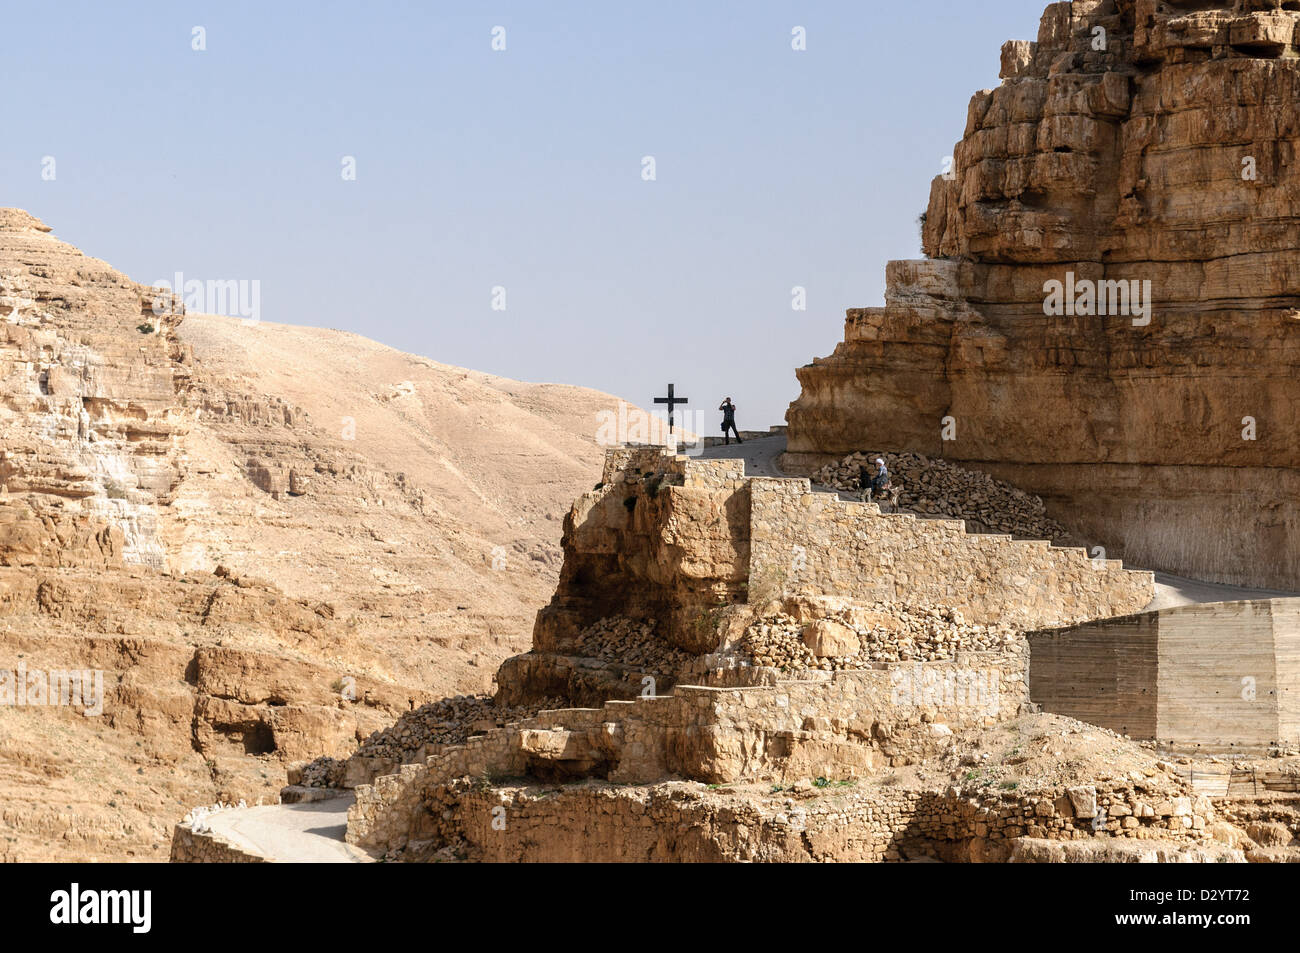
(671,400)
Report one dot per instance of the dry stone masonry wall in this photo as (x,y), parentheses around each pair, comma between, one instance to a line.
(683,542)
(841,726)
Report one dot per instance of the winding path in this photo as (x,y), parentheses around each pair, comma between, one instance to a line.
(310,833)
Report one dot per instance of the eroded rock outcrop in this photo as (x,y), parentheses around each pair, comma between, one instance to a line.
(89,415)
(1134,142)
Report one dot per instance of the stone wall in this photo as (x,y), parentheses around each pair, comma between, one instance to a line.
(1222,675)
(819,545)
(680,821)
(680,541)
(839,726)
(694,549)
(190,847)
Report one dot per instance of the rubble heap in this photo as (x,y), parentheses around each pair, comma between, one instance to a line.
(859,638)
(631,643)
(448,721)
(934,487)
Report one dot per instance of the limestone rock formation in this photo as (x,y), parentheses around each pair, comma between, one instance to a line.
(89,415)
(1135,141)
(826,681)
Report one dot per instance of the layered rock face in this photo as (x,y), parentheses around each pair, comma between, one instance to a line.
(89,416)
(1134,142)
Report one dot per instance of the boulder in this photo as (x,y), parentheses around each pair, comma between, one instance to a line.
(1083,799)
(827,638)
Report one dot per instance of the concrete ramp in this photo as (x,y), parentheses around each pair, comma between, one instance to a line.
(305,833)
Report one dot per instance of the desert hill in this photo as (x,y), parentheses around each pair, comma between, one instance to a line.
(184,508)
(479,468)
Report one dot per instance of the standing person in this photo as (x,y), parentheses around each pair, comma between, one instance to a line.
(729,421)
(864,483)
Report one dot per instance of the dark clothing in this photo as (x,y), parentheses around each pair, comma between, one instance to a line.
(729,423)
(876,483)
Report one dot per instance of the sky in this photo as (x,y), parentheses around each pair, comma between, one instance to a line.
(502,215)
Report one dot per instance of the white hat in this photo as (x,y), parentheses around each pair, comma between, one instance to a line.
(880,461)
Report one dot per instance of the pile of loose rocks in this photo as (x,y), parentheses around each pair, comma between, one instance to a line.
(322,773)
(449,721)
(934,487)
(777,642)
(632,643)
(862,636)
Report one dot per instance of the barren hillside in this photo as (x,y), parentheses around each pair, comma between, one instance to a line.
(271,540)
(479,469)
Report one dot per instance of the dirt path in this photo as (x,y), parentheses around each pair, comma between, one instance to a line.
(292,833)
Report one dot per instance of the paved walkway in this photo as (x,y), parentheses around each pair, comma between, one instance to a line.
(1177,591)
(309,833)
(759,455)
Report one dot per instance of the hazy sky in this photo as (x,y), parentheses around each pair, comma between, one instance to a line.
(520,168)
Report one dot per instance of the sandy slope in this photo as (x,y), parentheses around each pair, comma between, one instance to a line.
(446,544)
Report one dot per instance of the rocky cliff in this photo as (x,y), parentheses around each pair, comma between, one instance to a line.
(1136,156)
(89,415)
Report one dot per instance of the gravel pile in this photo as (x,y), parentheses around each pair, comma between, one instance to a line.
(632,643)
(934,487)
(450,721)
(886,632)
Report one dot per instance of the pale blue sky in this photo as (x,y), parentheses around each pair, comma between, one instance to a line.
(520,168)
